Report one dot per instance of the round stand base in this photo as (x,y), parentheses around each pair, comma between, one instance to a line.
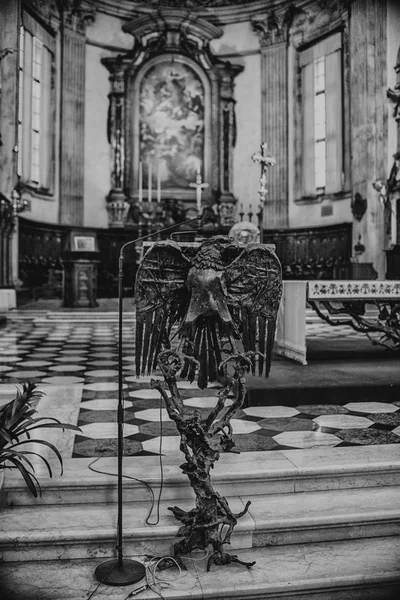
(115,572)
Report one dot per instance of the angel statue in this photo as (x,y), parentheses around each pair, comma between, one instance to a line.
(201,308)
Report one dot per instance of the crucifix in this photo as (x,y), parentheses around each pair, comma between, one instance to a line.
(199,189)
(266,160)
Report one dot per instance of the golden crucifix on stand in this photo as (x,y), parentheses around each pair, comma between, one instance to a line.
(199,189)
(266,160)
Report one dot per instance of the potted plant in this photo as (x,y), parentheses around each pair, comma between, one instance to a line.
(17,421)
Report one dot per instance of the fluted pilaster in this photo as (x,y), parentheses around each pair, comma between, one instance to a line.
(73,39)
(72,127)
(274,124)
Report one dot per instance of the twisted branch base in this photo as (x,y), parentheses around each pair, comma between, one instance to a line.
(210,524)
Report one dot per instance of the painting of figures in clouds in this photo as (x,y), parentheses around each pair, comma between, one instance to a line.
(172,124)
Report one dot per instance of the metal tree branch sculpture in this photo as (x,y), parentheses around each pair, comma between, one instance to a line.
(200,308)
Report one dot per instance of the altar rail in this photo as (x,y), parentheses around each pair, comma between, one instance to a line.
(312,253)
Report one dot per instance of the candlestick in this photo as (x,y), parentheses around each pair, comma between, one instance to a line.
(149,181)
(199,186)
(198,201)
(140,182)
(159,184)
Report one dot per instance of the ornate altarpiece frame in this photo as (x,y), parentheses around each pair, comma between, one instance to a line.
(183,38)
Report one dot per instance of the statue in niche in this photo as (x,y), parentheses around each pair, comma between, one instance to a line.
(201,308)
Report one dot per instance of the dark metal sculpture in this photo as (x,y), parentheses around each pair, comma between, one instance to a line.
(199,307)
(382,330)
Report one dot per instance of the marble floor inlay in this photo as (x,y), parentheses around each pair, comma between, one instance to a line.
(80,361)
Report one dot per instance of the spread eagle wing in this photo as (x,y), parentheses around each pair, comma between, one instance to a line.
(254,286)
(161,300)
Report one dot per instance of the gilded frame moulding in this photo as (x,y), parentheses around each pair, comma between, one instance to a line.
(177,37)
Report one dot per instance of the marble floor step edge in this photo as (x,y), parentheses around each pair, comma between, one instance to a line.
(247,474)
(350,570)
(82,531)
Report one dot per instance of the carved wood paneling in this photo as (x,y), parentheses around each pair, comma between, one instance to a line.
(41,250)
(312,253)
(305,253)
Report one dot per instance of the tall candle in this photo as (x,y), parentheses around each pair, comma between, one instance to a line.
(149,181)
(159,184)
(140,182)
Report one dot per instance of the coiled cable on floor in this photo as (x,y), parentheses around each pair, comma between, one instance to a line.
(145,483)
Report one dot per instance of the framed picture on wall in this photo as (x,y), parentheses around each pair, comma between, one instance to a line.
(84,243)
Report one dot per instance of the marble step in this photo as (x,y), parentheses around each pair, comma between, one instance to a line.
(246,474)
(91,317)
(349,570)
(86,531)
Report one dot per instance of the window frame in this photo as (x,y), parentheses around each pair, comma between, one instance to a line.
(302,44)
(41,181)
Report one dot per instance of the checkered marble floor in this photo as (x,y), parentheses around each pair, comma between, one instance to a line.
(325,331)
(63,352)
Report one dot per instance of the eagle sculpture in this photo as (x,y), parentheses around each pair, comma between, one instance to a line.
(211,301)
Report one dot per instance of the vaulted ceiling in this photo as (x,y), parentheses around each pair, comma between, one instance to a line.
(193,3)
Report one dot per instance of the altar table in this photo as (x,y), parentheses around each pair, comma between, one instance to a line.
(290,338)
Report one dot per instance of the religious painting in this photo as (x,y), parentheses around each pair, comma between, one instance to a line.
(171,125)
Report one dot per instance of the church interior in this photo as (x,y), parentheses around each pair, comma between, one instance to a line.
(138,139)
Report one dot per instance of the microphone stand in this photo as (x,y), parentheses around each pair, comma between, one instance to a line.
(120,570)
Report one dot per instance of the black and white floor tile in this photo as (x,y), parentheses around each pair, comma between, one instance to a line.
(67,352)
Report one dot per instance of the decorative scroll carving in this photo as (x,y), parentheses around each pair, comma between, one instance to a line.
(394,97)
(354,290)
(116,203)
(77,14)
(389,191)
(316,19)
(47,10)
(226,75)
(359,206)
(182,38)
(274,27)
(7,225)
(7,215)
(350,298)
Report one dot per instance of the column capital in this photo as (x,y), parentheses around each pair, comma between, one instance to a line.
(273,27)
(76,15)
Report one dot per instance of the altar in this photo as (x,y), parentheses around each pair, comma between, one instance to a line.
(336,302)
(171,122)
